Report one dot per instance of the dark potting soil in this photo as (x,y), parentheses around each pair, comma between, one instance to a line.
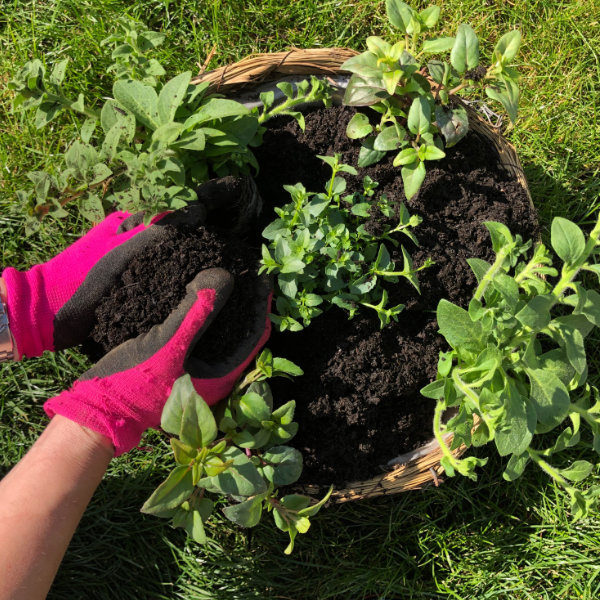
(154,284)
(358,403)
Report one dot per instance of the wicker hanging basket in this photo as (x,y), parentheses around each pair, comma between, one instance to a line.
(422,467)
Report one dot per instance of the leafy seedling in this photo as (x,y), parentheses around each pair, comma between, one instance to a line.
(238,453)
(517,365)
(322,254)
(413,92)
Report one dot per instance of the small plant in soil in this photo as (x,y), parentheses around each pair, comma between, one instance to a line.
(517,365)
(239,454)
(151,144)
(323,254)
(413,92)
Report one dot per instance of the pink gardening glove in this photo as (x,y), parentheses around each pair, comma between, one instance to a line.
(51,306)
(124,394)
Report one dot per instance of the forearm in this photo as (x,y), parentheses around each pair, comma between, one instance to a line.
(41,502)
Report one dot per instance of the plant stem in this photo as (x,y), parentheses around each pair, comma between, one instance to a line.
(491,272)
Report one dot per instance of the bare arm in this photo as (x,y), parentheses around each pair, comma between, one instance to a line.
(41,502)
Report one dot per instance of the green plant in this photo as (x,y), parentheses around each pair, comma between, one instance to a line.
(156,142)
(321,252)
(414,94)
(246,463)
(518,364)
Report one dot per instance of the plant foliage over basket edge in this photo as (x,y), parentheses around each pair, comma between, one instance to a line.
(154,144)
(517,365)
(415,100)
(247,463)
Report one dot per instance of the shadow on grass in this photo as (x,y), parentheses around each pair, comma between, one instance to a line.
(400,547)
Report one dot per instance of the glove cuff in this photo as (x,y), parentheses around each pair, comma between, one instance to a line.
(29,313)
(97,405)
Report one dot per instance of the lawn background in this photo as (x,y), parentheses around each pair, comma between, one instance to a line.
(463,540)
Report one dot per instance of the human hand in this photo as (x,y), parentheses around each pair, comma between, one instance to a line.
(125,392)
(51,306)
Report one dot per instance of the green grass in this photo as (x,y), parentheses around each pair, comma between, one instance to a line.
(463,540)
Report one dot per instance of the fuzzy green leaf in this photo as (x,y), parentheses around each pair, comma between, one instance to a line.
(515,432)
(578,471)
(141,100)
(549,396)
(91,208)
(399,14)
(536,313)
(567,240)
(457,327)
(171,96)
(283,365)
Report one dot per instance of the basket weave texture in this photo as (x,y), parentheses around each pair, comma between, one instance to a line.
(262,68)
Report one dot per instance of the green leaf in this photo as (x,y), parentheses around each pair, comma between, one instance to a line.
(183,453)
(88,128)
(419,116)
(515,467)
(438,45)
(430,16)
(567,240)
(515,432)
(363,91)
(508,46)
(358,127)
(390,138)
(465,52)
(112,114)
(457,327)
(549,396)
(434,390)
(413,176)
(453,123)
(46,111)
(240,479)
(194,525)
(216,108)
(170,493)
(285,413)
(364,65)
(432,152)
(171,96)
(58,72)
(399,14)
(247,513)
(141,100)
(368,155)
(507,93)
(500,234)
(284,465)
(166,134)
(407,156)
(283,365)
(198,426)
(536,313)
(578,471)
(172,414)
(91,208)
(312,510)
(254,408)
